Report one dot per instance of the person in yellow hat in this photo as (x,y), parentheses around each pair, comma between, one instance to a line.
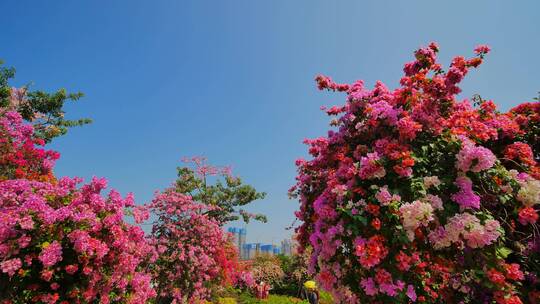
(310,292)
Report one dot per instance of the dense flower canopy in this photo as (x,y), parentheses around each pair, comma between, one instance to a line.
(418,196)
(59,242)
(190,244)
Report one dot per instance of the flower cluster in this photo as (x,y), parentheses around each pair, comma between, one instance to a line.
(244,280)
(414,215)
(465,197)
(465,228)
(20,155)
(371,252)
(416,196)
(473,158)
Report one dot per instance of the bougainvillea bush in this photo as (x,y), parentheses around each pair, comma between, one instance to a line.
(267,269)
(60,242)
(417,196)
(190,245)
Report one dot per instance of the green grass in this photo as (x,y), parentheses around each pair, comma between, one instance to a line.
(272,299)
(227,301)
(237,297)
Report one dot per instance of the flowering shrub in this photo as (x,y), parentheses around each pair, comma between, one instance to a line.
(244,280)
(229,262)
(190,246)
(268,269)
(64,244)
(420,197)
(20,156)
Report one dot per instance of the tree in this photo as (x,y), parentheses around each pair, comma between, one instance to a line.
(228,192)
(190,245)
(44,110)
(416,196)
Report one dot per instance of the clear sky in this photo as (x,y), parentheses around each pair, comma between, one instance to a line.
(233,80)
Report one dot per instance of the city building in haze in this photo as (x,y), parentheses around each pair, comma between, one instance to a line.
(286,247)
(239,239)
(252,250)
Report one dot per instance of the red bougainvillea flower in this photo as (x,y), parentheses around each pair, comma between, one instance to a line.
(21,156)
(527,215)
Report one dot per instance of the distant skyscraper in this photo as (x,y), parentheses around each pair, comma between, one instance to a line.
(247,251)
(239,240)
(257,249)
(287,247)
(242,242)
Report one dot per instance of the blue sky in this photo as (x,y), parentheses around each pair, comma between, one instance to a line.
(233,80)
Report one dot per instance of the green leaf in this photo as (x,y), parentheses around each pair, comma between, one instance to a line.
(503,252)
(361,219)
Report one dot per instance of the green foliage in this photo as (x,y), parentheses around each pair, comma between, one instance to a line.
(227,192)
(44,110)
(295,270)
(286,262)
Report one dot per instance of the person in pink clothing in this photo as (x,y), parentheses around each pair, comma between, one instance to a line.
(259,290)
(262,290)
(265,290)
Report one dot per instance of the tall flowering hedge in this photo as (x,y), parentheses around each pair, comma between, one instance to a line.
(417,196)
(63,244)
(190,244)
